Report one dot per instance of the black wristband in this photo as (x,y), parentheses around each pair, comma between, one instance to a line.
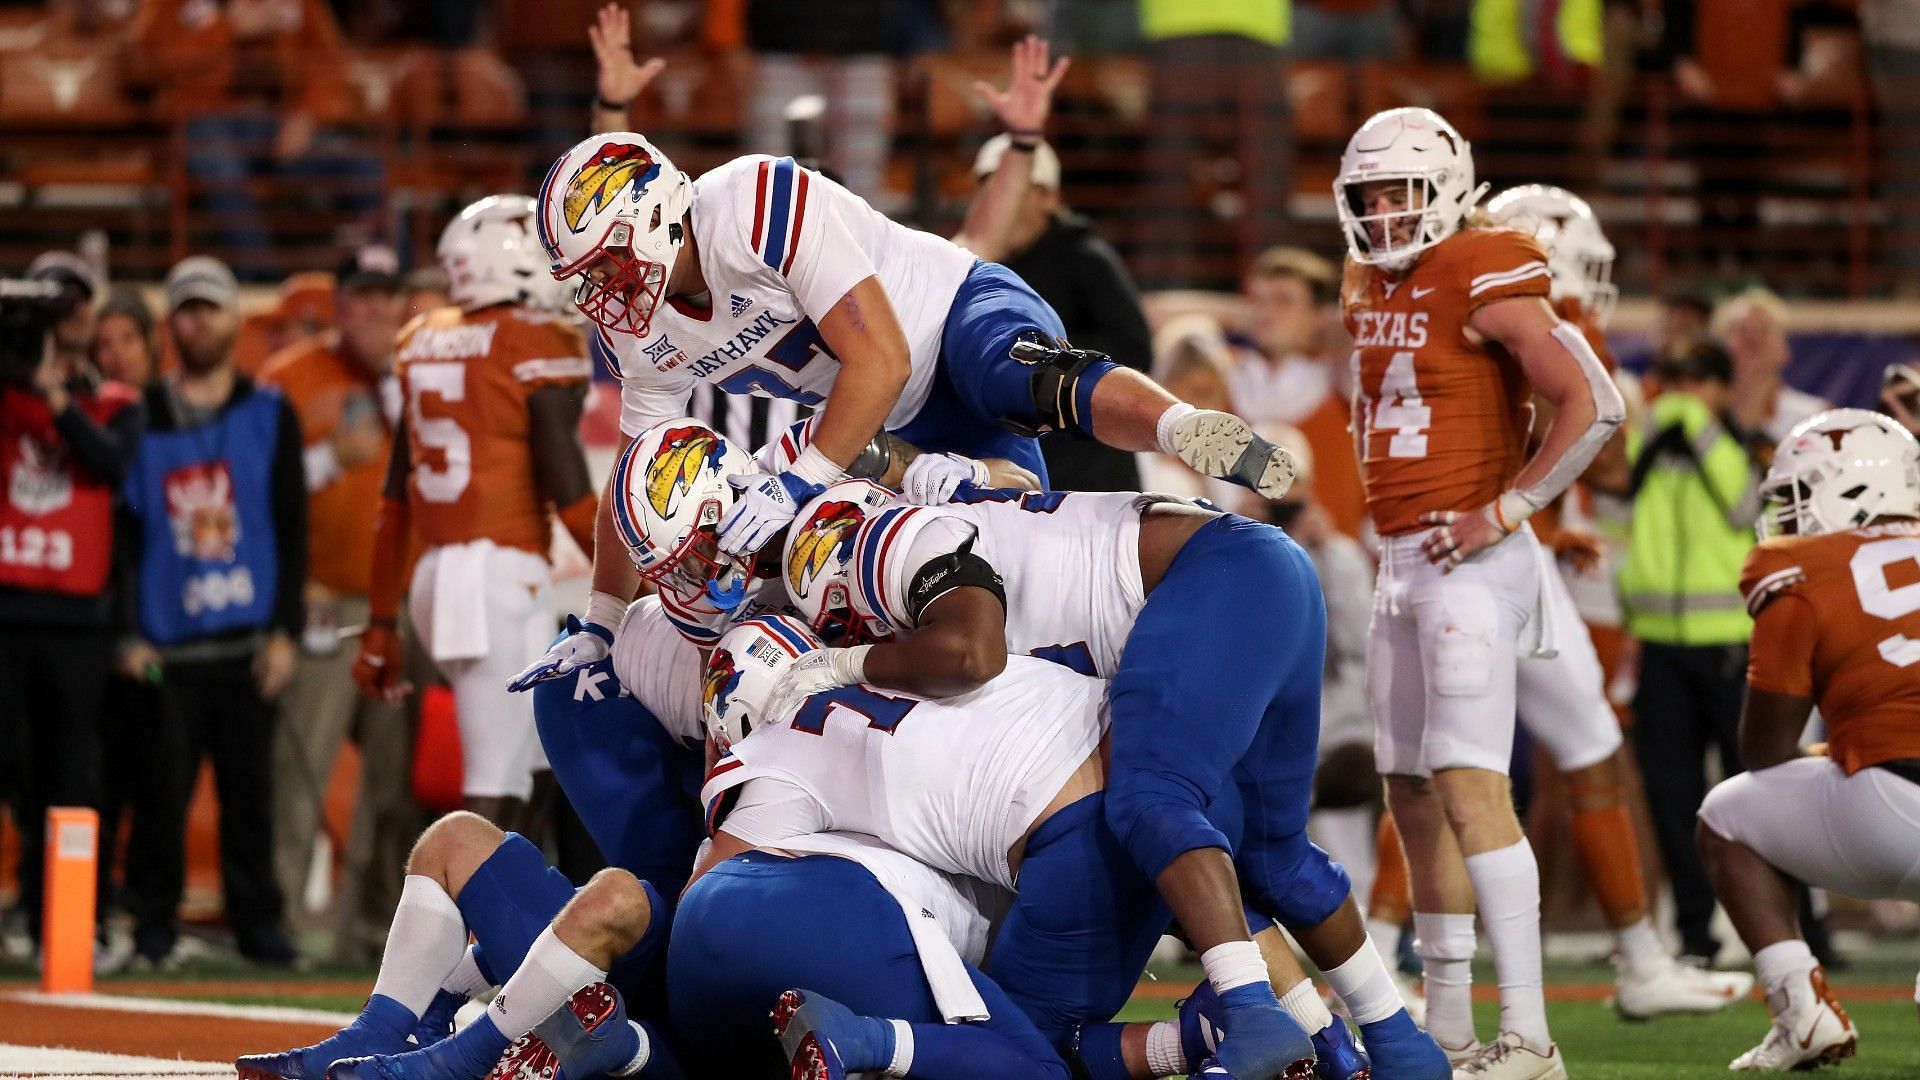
(602,103)
(1024,146)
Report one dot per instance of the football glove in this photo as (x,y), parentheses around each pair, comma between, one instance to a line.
(931,479)
(768,503)
(585,643)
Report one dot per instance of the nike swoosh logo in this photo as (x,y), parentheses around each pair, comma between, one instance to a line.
(1419,292)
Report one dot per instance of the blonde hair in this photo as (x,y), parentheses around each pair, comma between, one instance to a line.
(1729,311)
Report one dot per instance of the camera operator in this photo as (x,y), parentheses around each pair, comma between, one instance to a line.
(66,439)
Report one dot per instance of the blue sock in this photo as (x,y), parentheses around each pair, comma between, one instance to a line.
(387,1016)
(970,1051)
(1097,1048)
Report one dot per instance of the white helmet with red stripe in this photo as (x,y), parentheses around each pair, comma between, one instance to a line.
(1579,255)
(746,664)
(817,561)
(669,493)
(1840,470)
(611,213)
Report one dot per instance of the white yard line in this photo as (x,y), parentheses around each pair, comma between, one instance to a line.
(279,1014)
(44,1063)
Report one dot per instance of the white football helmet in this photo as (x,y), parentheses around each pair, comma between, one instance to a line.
(746,664)
(1418,147)
(492,256)
(818,559)
(670,491)
(1578,252)
(1839,470)
(610,214)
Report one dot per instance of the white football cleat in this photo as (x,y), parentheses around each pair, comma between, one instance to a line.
(1675,986)
(1223,445)
(1809,1030)
(1507,1058)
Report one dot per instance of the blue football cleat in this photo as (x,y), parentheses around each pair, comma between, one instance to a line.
(1399,1049)
(589,1037)
(1260,1040)
(1337,1058)
(1202,1022)
(437,1022)
(381,1028)
(825,1040)
(1211,1069)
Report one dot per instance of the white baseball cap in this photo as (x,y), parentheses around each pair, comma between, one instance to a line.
(1046,163)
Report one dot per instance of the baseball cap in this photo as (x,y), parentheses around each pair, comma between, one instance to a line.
(1046,163)
(201,277)
(67,269)
(370,266)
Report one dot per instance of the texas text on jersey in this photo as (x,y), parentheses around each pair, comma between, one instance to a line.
(1443,415)
(779,247)
(1837,619)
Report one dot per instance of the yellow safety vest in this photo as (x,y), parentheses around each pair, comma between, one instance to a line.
(1503,38)
(1267,21)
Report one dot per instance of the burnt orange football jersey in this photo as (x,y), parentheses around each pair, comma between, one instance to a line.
(1443,418)
(465,378)
(1837,619)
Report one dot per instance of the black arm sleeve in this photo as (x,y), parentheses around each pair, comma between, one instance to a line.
(104,452)
(559,461)
(290,525)
(399,462)
(1120,328)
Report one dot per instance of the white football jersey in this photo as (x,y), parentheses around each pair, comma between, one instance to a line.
(951,783)
(661,669)
(1069,561)
(779,246)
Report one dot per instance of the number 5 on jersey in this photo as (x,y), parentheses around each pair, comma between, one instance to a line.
(445,482)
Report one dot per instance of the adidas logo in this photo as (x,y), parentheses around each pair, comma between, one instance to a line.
(738,304)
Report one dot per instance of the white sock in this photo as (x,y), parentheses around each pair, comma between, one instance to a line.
(1163,430)
(1362,982)
(1783,962)
(1164,1054)
(1234,963)
(902,1062)
(1506,883)
(548,978)
(1386,938)
(1445,943)
(1641,949)
(1304,1005)
(425,942)
(465,979)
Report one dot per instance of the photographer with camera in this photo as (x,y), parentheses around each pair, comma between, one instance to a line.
(66,439)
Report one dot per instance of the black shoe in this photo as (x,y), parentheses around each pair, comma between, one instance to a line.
(267,945)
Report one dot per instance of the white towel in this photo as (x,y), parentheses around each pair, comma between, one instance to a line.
(1546,605)
(460,586)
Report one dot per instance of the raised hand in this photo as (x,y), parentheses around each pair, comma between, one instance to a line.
(621,79)
(1025,104)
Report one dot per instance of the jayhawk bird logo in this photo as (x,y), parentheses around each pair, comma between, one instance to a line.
(675,466)
(605,175)
(813,548)
(723,678)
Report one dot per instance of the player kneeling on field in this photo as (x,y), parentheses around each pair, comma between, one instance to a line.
(1836,624)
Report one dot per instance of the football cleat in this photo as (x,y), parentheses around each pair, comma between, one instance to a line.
(437,1022)
(1223,445)
(585,1038)
(1211,1069)
(823,1039)
(1507,1058)
(1202,1022)
(1809,1030)
(1336,1056)
(381,1028)
(1675,986)
(1402,1051)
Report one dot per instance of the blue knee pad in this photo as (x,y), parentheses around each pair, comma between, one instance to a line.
(509,900)
(1295,882)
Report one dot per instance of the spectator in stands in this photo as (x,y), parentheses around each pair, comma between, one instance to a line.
(254,82)
(342,389)
(1695,493)
(1352,31)
(424,290)
(65,440)
(124,347)
(1891,29)
(1287,370)
(1900,395)
(1219,93)
(217,498)
(1752,326)
(1073,268)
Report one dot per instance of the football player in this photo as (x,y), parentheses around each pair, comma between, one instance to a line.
(1451,326)
(1001,784)
(765,278)
(1834,589)
(1211,628)
(488,445)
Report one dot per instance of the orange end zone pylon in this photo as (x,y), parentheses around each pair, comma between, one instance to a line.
(67,915)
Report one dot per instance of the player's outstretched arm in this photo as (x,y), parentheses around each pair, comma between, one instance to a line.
(1023,108)
(1586,408)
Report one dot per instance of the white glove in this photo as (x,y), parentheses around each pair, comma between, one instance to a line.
(586,643)
(767,504)
(816,672)
(932,479)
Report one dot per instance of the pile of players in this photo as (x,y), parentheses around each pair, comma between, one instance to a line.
(855,735)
